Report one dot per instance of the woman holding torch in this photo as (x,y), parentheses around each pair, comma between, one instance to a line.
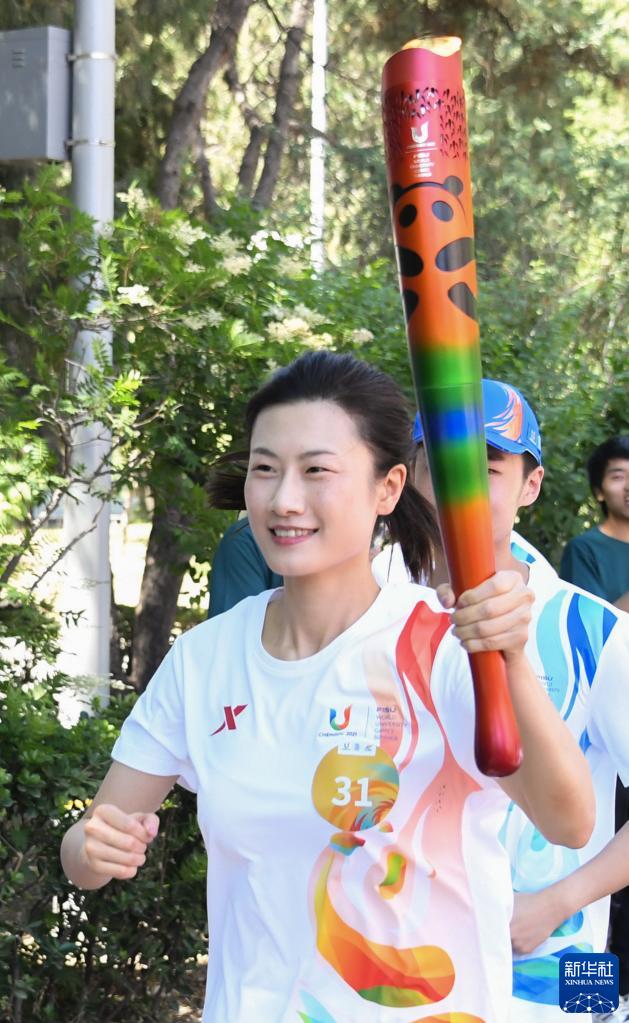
(327,727)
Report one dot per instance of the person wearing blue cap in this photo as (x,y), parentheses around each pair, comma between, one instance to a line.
(579,647)
(515,472)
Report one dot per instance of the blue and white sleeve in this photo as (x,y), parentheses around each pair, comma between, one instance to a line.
(609,708)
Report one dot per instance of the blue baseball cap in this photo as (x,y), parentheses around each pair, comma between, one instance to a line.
(510,423)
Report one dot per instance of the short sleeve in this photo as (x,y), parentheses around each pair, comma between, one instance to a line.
(153,737)
(579,567)
(609,699)
(238,570)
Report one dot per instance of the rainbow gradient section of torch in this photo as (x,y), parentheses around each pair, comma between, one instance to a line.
(428,171)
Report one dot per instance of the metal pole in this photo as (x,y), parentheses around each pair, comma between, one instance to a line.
(86,577)
(317,144)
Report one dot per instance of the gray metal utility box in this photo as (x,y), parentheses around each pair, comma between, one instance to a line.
(35,80)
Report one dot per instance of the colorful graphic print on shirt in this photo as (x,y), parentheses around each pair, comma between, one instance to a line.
(356,794)
(584,626)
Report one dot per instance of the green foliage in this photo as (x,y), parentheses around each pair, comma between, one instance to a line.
(200,313)
(545,109)
(112,955)
(29,630)
(199,317)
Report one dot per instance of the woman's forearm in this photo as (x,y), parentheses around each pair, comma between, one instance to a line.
(112,838)
(537,915)
(604,874)
(553,786)
(73,860)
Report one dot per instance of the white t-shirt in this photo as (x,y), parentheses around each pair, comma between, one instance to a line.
(389,566)
(354,869)
(579,649)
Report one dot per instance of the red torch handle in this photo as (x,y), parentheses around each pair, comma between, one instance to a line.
(497,746)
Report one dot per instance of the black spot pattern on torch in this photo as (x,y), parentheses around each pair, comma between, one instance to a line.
(456,254)
(463,297)
(411,263)
(451,257)
(411,301)
(453,184)
(408,215)
(396,193)
(442,210)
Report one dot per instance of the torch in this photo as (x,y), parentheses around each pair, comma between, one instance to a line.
(431,208)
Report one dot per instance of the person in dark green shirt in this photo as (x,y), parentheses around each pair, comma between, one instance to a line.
(238,569)
(597,563)
(598,560)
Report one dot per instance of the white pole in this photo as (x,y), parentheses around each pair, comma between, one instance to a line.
(317,144)
(86,579)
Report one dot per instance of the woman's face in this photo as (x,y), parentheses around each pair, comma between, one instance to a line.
(311,493)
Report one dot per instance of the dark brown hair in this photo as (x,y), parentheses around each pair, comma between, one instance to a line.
(529,461)
(615,447)
(382,416)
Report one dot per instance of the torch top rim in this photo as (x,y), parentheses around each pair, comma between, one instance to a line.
(443,46)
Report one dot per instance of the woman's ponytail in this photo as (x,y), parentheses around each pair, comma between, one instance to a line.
(413,525)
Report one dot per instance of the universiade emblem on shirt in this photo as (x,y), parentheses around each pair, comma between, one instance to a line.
(588,982)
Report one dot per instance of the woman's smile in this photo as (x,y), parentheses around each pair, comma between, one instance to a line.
(287,536)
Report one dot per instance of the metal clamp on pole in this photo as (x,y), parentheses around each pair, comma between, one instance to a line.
(91,55)
(89,142)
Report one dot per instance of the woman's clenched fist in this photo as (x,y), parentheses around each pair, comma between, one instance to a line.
(116,842)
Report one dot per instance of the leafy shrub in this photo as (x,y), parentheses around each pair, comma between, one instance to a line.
(111,955)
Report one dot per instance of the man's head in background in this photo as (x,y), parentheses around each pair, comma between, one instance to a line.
(608,473)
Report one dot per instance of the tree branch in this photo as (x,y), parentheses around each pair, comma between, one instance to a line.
(75,539)
(250,161)
(251,155)
(284,102)
(210,204)
(228,20)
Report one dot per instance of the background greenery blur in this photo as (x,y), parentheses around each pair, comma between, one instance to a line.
(205,277)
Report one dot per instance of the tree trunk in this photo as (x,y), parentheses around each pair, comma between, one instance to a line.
(164,570)
(210,205)
(165,564)
(284,103)
(251,156)
(188,108)
(250,160)
(319,127)
(116,640)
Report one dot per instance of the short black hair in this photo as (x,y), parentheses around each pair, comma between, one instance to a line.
(615,447)
(529,461)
